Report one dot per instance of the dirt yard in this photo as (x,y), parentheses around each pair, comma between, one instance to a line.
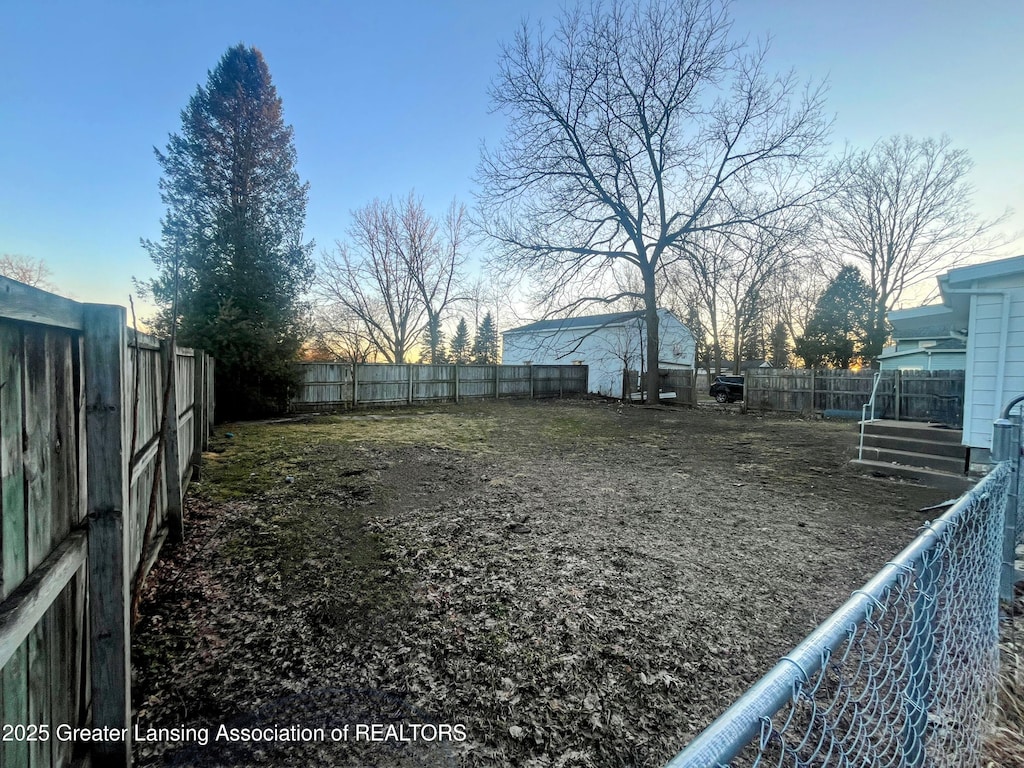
(540,584)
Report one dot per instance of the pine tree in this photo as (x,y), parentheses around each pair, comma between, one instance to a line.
(485,346)
(231,241)
(460,346)
(841,325)
(436,354)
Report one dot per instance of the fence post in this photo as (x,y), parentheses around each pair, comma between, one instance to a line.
(104,345)
(1008,572)
(920,648)
(897,380)
(456,381)
(408,367)
(355,384)
(172,464)
(561,374)
(532,396)
(198,413)
(497,380)
(211,392)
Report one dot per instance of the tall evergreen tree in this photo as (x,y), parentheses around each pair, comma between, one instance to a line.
(231,241)
(840,328)
(459,349)
(485,345)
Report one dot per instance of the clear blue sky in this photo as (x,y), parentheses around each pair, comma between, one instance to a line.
(387,96)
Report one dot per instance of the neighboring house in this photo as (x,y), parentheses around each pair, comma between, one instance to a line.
(932,338)
(608,344)
(985,304)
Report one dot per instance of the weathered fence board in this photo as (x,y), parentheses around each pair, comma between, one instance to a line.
(910,395)
(81,401)
(342,385)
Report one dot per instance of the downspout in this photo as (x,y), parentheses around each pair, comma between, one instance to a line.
(1004,331)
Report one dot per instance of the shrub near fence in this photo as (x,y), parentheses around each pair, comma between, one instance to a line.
(78,454)
(909,395)
(342,385)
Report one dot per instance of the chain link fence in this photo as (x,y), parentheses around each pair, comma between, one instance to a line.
(902,674)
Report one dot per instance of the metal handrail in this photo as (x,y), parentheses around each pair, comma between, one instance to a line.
(864,411)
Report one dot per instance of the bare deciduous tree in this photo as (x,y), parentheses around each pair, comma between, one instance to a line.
(433,255)
(370,280)
(905,214)
(395,279)
(26,269)
(339,334)
(632,127)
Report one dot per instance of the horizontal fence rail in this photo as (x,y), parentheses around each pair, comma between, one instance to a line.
(81,428)
(935,396)
(343,385)
(901,675)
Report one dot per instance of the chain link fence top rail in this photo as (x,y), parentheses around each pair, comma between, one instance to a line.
(901,675)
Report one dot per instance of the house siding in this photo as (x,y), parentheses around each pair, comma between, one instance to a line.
(987,390)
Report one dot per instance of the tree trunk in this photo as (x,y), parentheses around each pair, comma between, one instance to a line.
(716,343)
(653,346)
(737,345)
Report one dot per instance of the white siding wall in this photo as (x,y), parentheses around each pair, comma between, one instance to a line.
(605,350)
(939,360)
(995,373)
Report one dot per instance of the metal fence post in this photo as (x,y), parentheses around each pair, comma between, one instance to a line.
(1008,571)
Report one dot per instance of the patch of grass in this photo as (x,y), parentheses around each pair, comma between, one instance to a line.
(310,494)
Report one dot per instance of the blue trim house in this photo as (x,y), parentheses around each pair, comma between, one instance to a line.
(982,306)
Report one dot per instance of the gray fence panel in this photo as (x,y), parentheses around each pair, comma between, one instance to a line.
(342,385)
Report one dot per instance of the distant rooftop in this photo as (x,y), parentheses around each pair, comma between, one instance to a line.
(587,321)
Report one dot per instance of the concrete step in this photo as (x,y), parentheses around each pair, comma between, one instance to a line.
(929,477)
(955,465)
(915,445)
(915,430)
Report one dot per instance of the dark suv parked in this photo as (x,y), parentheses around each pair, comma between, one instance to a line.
(727,389)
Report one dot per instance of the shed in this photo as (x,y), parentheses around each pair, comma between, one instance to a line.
(608,344)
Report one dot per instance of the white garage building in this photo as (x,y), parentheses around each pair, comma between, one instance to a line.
(608,344)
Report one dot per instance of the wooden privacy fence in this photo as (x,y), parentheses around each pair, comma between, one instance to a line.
(343,385)
(681,383)
(81,404)
(902,395)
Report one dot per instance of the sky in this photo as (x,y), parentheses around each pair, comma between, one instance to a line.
(391,96)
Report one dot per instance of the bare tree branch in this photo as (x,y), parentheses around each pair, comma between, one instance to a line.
(631,128)
(26,270)
(905,215)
